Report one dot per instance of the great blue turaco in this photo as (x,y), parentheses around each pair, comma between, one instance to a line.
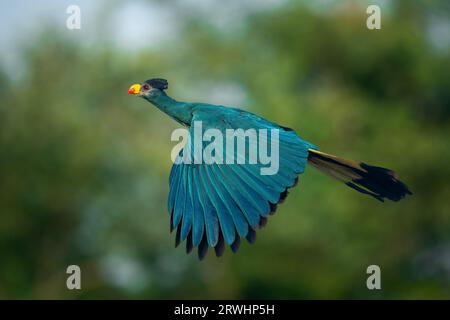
(213,204)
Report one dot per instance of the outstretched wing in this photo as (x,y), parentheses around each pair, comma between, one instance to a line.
(216,204)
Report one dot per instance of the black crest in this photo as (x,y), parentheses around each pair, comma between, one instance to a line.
(158,83)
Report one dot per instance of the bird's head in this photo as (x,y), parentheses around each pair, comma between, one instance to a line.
(150,88)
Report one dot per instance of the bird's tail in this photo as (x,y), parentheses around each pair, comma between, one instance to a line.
(377,182)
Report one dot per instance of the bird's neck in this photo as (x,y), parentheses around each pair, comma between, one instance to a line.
(180,111)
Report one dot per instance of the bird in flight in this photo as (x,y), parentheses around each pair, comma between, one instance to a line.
(214,203)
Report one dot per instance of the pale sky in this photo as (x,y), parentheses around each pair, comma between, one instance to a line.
(121,23)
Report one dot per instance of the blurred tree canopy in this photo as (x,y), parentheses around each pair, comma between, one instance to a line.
(84,167)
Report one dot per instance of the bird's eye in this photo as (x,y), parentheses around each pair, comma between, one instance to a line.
(145,87)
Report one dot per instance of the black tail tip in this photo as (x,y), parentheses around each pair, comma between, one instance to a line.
(383,183)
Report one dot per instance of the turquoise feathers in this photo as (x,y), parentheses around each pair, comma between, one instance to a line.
(211,205)
(217,203)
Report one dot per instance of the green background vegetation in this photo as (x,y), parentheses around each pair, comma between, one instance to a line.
(84,167)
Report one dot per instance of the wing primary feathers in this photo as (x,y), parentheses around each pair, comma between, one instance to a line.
(263,222)
(238,217)
(273,208)
(189,243)
(225,220)
(198,221)
(188,213)
(254,183)
(211,222)
(177,237)
(171,222)
(180,198)
(247,207)
(235,245)
(273,183)
(174,182)
(217,205)
(203,247)
(295,182)
(251,236)
(283,195)
(220,246)
(258,204)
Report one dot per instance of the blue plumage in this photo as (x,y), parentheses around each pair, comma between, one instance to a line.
(211,204)
(230,200)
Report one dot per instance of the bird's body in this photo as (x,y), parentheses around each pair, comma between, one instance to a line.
(211,204)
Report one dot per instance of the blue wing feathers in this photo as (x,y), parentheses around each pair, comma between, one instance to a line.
(188,205)
(211,220)
(225,220)
(264,191)
(234,211)
(180,198)
(174,182)
(198,217)
(214,204)
(247,208)
(258,203)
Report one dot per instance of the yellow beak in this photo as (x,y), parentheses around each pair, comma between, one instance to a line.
(134,89)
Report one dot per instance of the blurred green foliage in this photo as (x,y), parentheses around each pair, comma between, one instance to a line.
(84,167)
